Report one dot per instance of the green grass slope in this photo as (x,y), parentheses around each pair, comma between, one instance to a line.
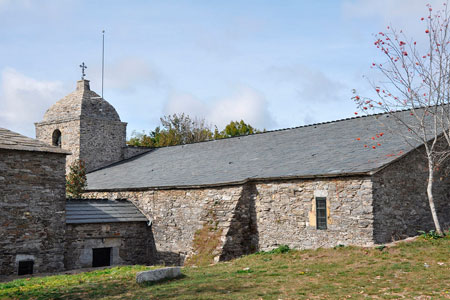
(415,270)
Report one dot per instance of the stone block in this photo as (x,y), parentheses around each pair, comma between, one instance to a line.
(158,274)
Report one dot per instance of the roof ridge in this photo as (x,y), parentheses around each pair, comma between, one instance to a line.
(273,130)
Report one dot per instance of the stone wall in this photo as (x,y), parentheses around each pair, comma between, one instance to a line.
(32,210)
(131,151)
(131,243)
(101,142)
(286,213)
(178,214)
(70,136)
(256,216)
(97,142)
(401,205)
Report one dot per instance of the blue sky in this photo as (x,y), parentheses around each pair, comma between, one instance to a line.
(275,64)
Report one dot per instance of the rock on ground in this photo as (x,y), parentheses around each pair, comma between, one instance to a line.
(158,274)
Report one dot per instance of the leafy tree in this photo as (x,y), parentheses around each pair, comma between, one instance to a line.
(144,140)
(235,128)
(76,179)
(416,79)
(180,129)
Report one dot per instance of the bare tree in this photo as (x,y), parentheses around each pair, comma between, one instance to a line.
(416,78)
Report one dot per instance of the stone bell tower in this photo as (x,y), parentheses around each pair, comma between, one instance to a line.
(86,125)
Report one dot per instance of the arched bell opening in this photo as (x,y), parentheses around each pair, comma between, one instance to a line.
(56,138)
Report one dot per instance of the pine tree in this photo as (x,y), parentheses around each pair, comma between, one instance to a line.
(76,179)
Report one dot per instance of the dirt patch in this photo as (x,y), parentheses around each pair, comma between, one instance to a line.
(206,246)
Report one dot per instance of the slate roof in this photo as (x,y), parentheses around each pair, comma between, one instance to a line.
(318,150)
(14,141)
(102,211)
(81,103)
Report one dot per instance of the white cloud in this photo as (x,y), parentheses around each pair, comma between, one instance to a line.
(24,100)
(185,103)
(127,73)
(310,84)
(246,104)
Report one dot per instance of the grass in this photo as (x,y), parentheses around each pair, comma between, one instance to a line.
(415,270)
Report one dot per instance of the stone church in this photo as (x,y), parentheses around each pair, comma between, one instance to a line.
(345,182)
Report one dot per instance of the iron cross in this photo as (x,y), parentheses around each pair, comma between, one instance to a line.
(83,67)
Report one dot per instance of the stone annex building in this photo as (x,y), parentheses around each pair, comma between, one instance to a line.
(306,187)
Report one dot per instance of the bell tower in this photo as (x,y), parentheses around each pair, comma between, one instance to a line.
(85,124)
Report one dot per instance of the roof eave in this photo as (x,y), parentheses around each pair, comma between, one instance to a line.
(55,151)
(231,183)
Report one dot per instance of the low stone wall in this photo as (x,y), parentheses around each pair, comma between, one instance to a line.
(32,210)
(131,243)
(256,216)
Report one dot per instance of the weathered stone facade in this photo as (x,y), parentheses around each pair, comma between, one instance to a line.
(256,216)
(177,214)
(32,210)
(130,243)
(401,205)
(287,214)
(70,136)
(90,128)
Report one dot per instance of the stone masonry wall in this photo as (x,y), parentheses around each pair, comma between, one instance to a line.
(177,214)
(101,142)
(97,142)
(32,210)
(286,213)
(70,136)
(256,216)
(131,151)
(401,205)
(131,243)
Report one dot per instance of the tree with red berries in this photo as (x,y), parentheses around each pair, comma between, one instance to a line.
(416,79)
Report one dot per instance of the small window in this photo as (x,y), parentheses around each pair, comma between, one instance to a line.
(321,213)
(56,138)
(101,257)
(25,267)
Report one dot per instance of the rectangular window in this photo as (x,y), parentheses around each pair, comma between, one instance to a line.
(101,257)
(321,213)
(25,267)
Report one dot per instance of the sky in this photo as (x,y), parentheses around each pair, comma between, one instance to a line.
(274,64)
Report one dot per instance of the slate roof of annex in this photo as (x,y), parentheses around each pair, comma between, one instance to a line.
(318,150)
(14,141)
(102,211)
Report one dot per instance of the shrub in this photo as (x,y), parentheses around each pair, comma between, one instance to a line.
(430,235)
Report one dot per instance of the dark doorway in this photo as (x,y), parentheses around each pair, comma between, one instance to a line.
(25,267)
(101,257)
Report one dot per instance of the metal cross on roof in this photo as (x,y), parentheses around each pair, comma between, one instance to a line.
(83,67)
